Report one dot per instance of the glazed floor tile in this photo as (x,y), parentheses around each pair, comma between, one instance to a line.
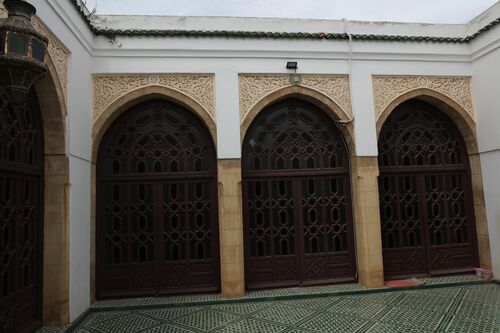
(460,309)
(271,293)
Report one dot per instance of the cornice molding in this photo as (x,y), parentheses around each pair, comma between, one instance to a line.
(111,33)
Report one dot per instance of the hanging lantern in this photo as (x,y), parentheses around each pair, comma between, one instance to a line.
(22,50)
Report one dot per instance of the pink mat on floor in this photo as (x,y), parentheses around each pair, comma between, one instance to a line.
(403,283)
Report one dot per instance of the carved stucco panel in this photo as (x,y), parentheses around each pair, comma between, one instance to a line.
(255,87)
(108,89)
(59,55)
(3,11)
(387,88)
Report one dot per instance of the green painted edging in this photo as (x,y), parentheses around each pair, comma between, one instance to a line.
(285,297)
(111,33)
(78,321)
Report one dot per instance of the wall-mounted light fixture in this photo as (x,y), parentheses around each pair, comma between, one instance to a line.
(291,65)
(22,50)
(294,78)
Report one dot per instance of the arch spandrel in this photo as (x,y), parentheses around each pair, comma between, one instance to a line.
(388,88)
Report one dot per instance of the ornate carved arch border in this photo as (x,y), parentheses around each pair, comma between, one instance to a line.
(114,94)
(329,92)
(52,93)
(451,95)
(57,61)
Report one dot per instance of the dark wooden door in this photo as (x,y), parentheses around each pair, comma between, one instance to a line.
(296,197)
(426,208)
(157,204)
(21,215)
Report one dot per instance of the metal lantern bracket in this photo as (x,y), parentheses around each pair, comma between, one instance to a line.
(22,51)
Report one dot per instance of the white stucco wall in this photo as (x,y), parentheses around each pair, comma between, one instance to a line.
(226,58)
(486,89)
(65,23)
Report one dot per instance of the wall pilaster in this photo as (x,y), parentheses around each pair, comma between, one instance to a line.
(56,242)
(367,221)
(231,228)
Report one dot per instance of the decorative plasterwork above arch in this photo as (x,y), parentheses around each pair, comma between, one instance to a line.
(109,88)
(59,55)
(3,11)
(387,88)
(254,87)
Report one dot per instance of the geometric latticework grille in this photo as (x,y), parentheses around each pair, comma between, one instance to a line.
(21,218)
(157,216)
(425,194)
(297,206)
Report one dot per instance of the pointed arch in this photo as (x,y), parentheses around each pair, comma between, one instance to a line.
(462,119)
(465,125)
(105,118)
(112,113)
(296,198)
(330,107)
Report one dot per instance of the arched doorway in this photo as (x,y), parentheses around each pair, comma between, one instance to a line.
(157,227)
(296,199)
(425,192)
(21,214)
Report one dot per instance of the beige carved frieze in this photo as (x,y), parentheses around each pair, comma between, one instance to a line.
(3,11)
(58,53)
(109,88)
(255,87)
(387,88)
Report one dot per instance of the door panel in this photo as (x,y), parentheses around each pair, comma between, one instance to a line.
(449,229)
(272,258)
(188,244)
(129,231)
(326,231)
(21,215)
(401,225)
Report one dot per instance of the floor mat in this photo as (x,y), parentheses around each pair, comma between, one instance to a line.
(404,283)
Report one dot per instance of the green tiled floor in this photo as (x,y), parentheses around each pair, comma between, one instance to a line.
(458,308)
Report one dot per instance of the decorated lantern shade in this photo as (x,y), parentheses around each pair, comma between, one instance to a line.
(22,50)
